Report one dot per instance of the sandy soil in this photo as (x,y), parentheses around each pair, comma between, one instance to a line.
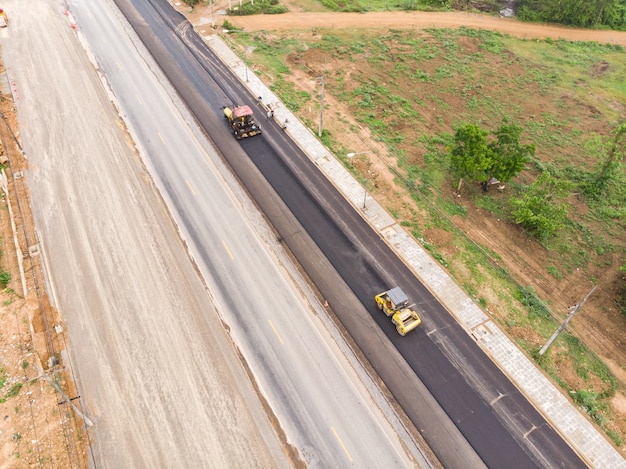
(418,20)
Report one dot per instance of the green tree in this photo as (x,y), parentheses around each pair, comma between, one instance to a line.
(474,158)
(583,13)
(541,209)
(509,156)
(621,293)
(469,155)
(610,171)
(614,15)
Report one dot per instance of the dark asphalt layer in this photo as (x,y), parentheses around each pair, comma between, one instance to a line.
(499,423)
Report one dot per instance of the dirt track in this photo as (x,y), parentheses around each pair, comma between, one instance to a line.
(397,19)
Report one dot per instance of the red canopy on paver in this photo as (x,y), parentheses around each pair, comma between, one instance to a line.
(242,111)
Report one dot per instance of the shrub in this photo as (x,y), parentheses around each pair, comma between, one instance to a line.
(269,8)
(540,209)
(536,308)
(5,278)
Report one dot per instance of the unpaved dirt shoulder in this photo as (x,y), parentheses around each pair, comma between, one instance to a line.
(37,425)
(419,20)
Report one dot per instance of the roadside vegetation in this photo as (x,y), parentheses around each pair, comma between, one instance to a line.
(552,224)
(582,13)
(605,14)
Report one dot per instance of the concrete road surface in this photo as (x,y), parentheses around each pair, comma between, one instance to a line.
(162,380)
(157,374)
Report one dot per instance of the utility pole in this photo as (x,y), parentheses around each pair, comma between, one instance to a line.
(567,320)
(249,50)
(321,126)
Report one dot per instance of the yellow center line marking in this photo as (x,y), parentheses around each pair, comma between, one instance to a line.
(138,98)
(161,137)
(341,443)
(276,332)
(190,187)
(228,250)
